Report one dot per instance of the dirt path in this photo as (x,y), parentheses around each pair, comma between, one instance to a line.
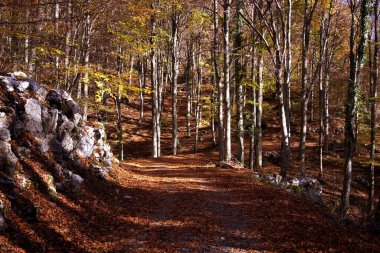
(184,204)
(179,204)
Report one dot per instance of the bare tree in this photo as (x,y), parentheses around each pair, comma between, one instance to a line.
(356,61)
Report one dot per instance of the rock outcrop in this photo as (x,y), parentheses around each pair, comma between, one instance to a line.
(36,123)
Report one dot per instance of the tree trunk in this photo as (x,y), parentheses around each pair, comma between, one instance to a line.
(352,97)
(253,113)
(308,15)
(373,95)
(175,67)
(238,82)
(259,113)
(218,83)
(86,64)
(154,88)
(226,70)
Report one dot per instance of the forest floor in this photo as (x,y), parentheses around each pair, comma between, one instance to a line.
(187,204)
(181,204)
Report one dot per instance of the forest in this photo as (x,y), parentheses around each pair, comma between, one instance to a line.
(189,126)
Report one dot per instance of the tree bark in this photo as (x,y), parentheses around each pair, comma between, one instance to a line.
(259,113)
(226,70)
(373,95)
(238,82)
(218,83)
(352,97)
(175,67)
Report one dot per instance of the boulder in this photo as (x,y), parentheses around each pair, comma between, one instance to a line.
(67,143)
(33,116)
(70,108)
(3,223)
(310,185)
(7,158)
(54,99)
(51,121)
(5,135)
(273,178)
(8,82)
(74,179)
(86,143)
(77,120)
(21,86)
(19,75)
(7,115)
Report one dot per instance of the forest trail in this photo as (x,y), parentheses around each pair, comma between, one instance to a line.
(180,204)
(186,204)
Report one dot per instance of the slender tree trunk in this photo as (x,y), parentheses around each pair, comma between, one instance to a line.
(212,110)
(154,84)
(142,85)
(352,97)
(238,82)
(226,70)
(322,49)
(253,113)
(86,64)
(218,83)
(288,65)
(175,67)
(188,91)
(308,15)
(198,109)
(118,99)
(373,95)
(259,113)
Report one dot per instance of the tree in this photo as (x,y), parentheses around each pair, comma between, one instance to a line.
(226,70)
(238,41)
(356,61)
(306,90)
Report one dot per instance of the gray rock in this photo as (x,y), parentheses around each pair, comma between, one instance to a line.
(74,179)
(50,185)
(271,155)
(33,116)
(52,121)
(100,172)
(7,157)
(294,182)
(77,119)
(273,178)
(19,75)
(66,127)
(310,185)
(8,82)
(44,146)
(3,223)
(86,143)
(5,135)
(7,115)
(23,152)
(67,143)
(21,86)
